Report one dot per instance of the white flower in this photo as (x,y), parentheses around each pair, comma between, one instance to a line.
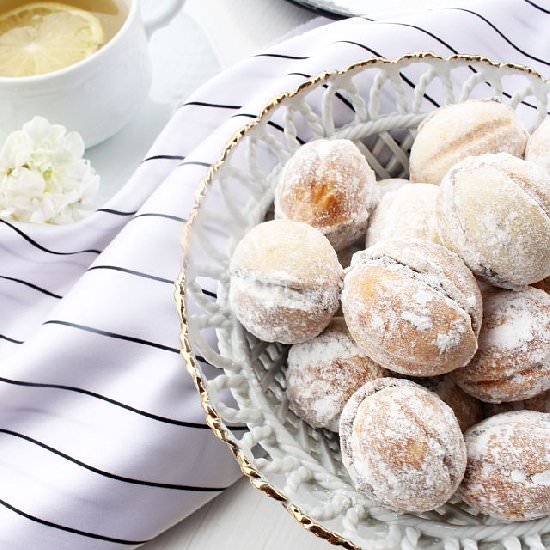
(43,177)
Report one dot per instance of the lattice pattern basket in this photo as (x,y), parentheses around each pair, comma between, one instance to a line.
(241,380)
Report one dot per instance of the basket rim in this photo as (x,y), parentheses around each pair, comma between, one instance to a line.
(213,419)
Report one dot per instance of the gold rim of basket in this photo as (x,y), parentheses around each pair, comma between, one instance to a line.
(213,419)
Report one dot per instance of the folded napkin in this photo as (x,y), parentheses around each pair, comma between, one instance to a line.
(103,443)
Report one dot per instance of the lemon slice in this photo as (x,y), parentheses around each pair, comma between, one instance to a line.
(42,37)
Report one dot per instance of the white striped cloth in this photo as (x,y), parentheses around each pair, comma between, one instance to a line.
(102,440)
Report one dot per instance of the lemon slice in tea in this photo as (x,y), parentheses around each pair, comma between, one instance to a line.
(42,37)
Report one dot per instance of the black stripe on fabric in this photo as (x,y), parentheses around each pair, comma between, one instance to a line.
(449,47)
(163,157)
(320,11)
(132,481)
(12,340)
(246,115)
(195,163)
(432,35)
(159,215)
(503,36)
(151,214)
(32,285)
(403,77)
(543,10)
(131,272)
(71,529)
(270,123)
(209,293)
(95,395)
(43,248)
(114,335)
(281,56)
(425,31)
(182,157)
(342,99)
(214,105)
(337,94)
(116,212)
(281,129)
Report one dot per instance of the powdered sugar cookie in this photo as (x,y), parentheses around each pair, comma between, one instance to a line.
(512,362)
(408,212)
(285,281)
(455,132)
(467,409)
(413,306)
(494,211)
(388,185)
(324,372)
(508,472)
(329,185)
(402,445)
(538,146)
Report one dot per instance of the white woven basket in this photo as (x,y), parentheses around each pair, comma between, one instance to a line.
(241,380)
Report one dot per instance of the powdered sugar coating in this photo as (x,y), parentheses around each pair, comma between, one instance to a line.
(494,211)
(329,185)
(389,185)
(467,409)
(513,358)
(402,445)
(540,403)
(413,306)
(508,472)
(538,146)
(455,132)
(324,372)
(408,212)
(285,281)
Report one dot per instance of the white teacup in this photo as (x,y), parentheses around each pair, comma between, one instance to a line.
(96,96)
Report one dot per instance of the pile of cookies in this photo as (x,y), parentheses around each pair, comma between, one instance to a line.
(417,311)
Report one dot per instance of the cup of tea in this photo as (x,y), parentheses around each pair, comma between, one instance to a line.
(94,92)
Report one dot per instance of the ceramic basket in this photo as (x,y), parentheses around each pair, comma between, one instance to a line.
(241,380)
